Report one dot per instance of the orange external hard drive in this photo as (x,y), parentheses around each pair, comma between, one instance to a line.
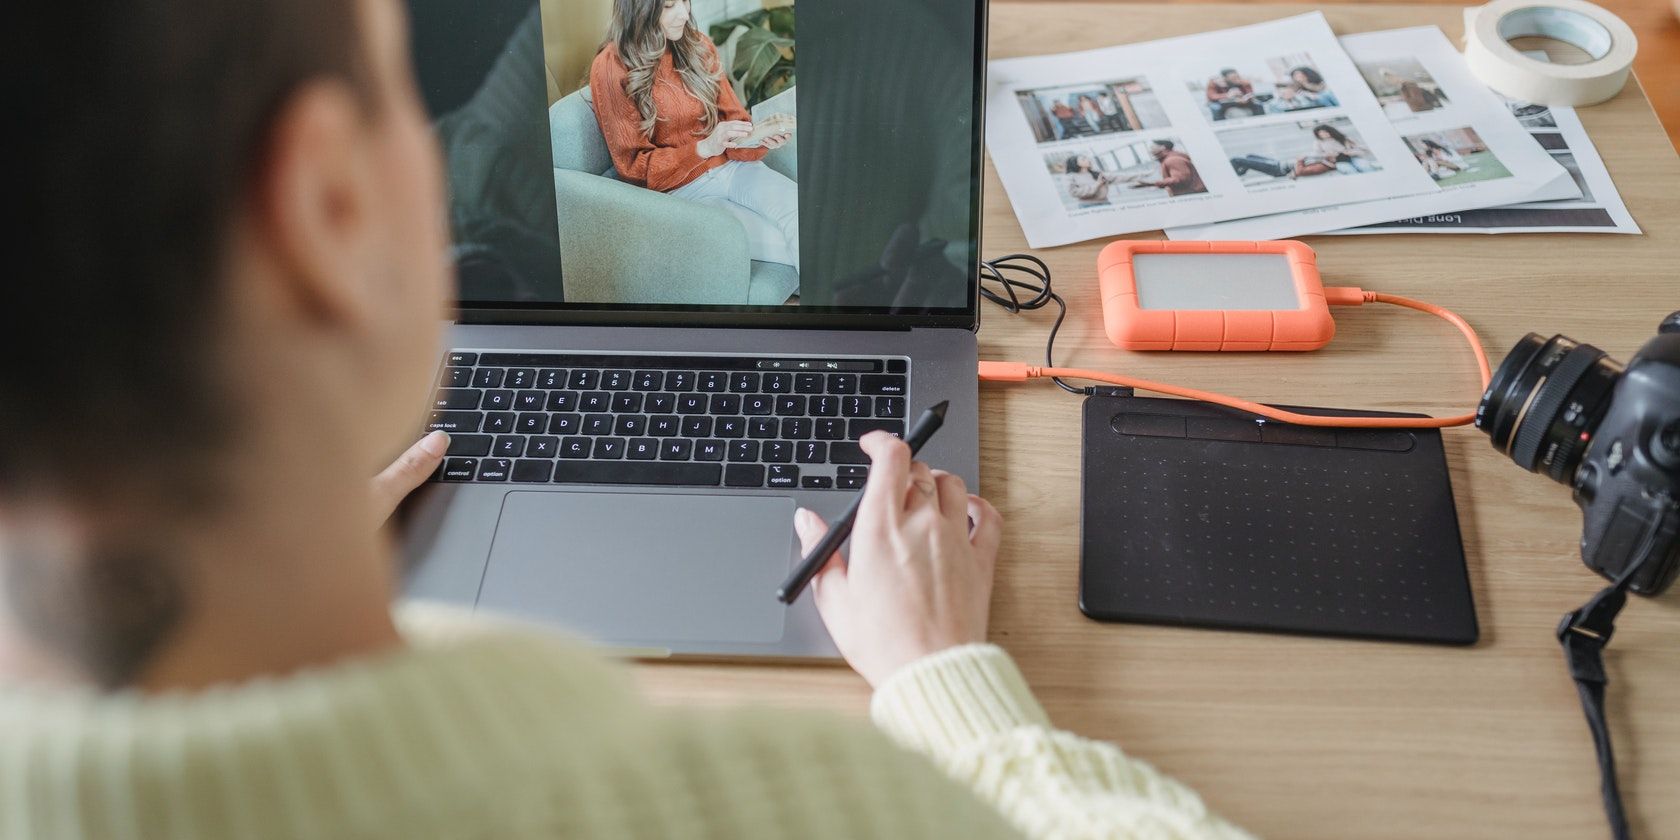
(1234,296)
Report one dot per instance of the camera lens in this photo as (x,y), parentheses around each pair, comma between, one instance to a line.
(1546,401)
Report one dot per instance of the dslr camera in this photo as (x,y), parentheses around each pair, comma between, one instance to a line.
(1611,432)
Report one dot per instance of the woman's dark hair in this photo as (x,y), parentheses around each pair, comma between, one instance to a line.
(1433,145)
(1313,77)
(1072,165)
(139,130)
(1331,130)
(1165,144)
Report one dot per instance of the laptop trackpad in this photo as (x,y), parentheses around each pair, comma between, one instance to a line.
(643,569)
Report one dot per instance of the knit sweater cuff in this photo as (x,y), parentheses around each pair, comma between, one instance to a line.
(956,698)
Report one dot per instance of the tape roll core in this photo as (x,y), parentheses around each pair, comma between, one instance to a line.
(1607,39)
(1571,28)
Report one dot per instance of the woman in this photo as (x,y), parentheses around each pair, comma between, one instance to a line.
(1440,161)
(1091,113)
(1417,97)
(196,635)
(1066,118)
(1307,89)
(1331,151)
(673,123)
(1086,182)
(1112,118)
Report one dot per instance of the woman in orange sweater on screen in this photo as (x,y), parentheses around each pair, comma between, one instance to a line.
(673,123)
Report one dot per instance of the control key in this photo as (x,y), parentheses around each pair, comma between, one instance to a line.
(460,469)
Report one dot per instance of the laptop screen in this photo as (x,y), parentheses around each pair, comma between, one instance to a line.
(709,156)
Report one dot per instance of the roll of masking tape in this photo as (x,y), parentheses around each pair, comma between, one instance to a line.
(1607,39)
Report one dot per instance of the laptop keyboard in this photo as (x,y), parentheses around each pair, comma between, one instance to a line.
(674,421)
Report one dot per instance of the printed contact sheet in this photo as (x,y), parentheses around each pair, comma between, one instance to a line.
(1243,122)
(1458,133)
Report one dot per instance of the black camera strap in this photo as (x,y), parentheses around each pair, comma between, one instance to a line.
(1584,634)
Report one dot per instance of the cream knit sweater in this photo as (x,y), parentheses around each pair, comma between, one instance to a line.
(514,734)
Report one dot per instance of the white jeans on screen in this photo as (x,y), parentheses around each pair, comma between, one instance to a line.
(765,201)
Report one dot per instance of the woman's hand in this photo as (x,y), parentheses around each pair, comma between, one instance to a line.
(919,580)
(723,137)
(409,471)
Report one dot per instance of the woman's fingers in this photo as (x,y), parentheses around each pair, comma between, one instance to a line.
(728,131)
(923,490)
(889,474)
(828,588)
(987,534)
(953,495)
(898,484)
(810,528)
(408,472)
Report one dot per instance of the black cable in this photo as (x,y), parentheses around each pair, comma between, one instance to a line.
(993,271)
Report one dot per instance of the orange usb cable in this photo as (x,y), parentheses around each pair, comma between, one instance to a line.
(1336,296)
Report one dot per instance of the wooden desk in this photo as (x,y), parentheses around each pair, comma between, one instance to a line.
(1316,738)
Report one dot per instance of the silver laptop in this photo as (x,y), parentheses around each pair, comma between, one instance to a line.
(654,364)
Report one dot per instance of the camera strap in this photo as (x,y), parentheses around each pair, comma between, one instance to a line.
(1584,634)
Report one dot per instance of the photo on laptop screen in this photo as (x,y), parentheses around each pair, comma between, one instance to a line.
(708,154)
(674,124)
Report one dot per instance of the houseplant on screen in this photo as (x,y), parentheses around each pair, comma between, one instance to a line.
(757,50)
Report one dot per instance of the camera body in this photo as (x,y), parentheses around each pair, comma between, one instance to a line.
(1611,433)
(1632,468)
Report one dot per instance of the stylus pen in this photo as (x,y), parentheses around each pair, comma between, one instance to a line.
(841,528)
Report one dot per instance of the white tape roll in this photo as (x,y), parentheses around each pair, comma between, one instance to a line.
(1603,36)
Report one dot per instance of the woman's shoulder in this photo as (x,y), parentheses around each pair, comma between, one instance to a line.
(607,64)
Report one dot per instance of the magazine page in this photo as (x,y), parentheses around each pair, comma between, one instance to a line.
(1223,125)
(1459,133)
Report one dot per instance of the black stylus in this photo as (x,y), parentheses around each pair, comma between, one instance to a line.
(841,528)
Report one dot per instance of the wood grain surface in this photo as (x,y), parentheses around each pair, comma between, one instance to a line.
(1306,737)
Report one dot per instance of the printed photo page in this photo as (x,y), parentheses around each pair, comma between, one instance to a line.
(1558,131)
(1242,122)
(1458,133)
